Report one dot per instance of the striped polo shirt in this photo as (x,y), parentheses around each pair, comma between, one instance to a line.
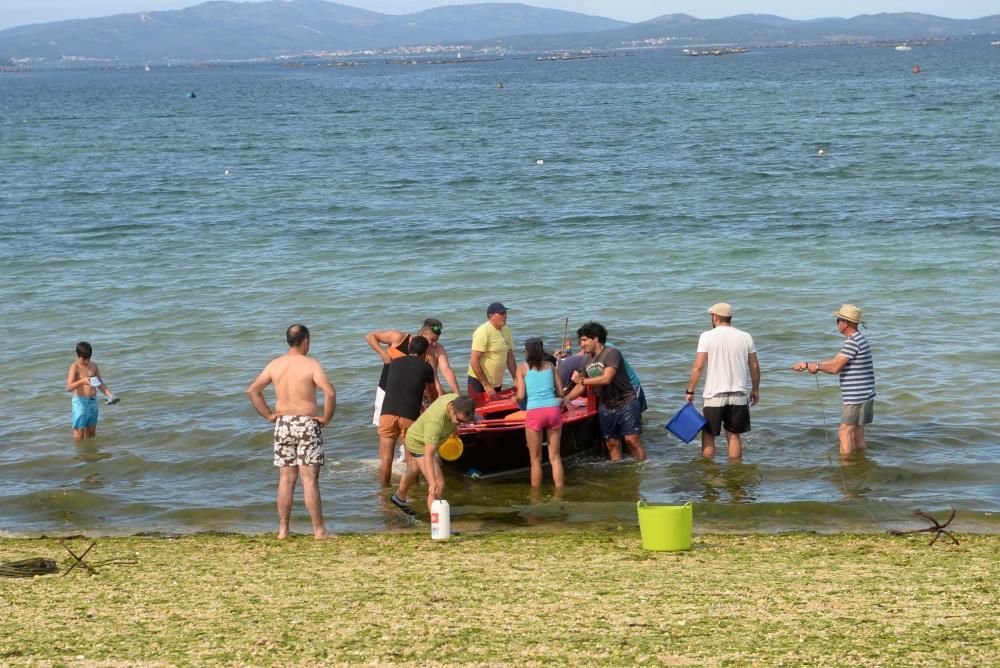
(857,378)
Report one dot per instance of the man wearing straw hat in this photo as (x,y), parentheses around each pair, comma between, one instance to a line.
(857,379)
(728,357)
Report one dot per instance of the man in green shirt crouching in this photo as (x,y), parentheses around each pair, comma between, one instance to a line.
(423,437)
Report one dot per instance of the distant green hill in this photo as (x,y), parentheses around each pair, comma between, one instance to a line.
(242,31)
(232,31)
(682,29)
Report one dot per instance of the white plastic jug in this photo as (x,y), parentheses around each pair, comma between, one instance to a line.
(440,520)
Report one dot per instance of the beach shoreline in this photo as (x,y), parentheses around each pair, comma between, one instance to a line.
(709,519)
(527,597)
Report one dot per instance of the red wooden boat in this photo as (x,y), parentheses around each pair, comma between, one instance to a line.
(495,444)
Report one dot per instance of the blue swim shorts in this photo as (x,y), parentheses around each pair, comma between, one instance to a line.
(84,412)
(625,420)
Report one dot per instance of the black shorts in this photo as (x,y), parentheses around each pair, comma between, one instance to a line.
(476,387)
(736,419)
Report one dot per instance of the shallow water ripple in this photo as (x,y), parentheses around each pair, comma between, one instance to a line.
(182,236)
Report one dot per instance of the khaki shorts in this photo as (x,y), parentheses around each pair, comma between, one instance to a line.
(858,415)
(393,426)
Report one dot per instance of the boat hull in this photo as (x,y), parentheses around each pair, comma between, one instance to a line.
(495,446)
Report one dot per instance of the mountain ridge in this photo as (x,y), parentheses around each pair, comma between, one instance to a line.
(221,30)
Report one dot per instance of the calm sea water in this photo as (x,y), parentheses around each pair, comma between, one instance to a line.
(182,235)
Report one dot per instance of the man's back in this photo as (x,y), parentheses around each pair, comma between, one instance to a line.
(728,352)
(408,378)
(294,382)
(857,377)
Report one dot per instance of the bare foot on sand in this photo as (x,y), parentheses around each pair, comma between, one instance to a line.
(320,534)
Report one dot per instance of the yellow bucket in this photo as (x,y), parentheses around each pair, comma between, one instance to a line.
(451,448)
(665,528)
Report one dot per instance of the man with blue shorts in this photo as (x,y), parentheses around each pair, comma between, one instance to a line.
(619,411)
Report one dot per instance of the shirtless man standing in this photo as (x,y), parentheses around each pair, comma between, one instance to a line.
(298,427)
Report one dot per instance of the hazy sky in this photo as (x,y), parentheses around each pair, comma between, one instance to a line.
(20,12)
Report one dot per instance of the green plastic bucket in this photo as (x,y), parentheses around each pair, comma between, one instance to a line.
(665,528)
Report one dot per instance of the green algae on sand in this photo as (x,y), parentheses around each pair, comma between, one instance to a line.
(513,598)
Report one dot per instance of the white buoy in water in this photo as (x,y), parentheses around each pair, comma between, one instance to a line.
(821,152)
(539,162)
(225,173)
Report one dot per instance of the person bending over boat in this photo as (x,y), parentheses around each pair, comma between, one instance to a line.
(422,439)
(537,380)
(492,353)
(410,378)
(298,426)
(392,343)
(619,411)
(567,364)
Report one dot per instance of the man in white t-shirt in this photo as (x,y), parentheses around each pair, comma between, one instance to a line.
(732,382)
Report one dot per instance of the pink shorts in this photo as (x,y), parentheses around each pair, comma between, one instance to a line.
(538,419)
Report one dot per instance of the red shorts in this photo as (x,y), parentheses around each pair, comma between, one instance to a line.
(538,419)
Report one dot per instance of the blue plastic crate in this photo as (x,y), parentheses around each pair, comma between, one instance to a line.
(686,423)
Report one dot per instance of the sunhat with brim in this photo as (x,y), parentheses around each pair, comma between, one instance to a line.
(850,313)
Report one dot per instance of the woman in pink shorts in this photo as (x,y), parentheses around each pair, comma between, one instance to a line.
(537,381)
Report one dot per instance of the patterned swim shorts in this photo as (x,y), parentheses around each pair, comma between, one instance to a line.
(298,441)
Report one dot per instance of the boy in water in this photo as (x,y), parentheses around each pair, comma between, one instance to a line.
(84,379)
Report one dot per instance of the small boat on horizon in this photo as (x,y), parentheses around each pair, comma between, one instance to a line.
(903,47)
(722,51)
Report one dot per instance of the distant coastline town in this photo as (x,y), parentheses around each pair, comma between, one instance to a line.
(222,34)
(447,54)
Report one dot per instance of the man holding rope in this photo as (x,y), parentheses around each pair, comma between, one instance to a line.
(857,379)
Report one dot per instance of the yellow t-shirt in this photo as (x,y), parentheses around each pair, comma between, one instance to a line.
(433,425)
(493,343)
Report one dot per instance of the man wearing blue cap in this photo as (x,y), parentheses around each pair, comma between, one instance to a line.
(492,352)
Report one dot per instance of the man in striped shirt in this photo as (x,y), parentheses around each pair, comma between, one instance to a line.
(857,379)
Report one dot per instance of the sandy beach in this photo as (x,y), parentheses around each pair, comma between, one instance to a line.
(509,598)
